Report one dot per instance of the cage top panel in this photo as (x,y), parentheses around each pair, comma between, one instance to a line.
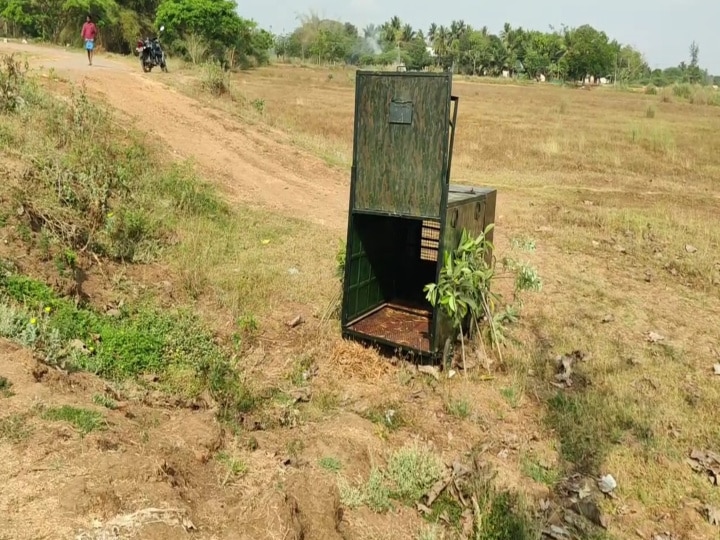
(458,194)
(402,123)
(406,74)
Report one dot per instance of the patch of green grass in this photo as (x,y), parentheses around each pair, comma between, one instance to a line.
(104,401)
(446,508)
(498,517)
(15,428)
(512,395)
(88,183)
(539,473)
(431,532)
(295,447)
(300,373)
(589,423)
(460,408)
(330,464)
(84,420)
(174,346)
(235,466)
(377,492)
(387,415)
(409,473)
(325,401)
(5,387)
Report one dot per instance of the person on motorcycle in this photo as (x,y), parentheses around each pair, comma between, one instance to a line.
(88,33)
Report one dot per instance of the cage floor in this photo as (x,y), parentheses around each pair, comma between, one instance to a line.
(397,324)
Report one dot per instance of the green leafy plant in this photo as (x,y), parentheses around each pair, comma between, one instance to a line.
(12,82)
(464,288)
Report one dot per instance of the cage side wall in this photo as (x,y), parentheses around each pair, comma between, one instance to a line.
(474,215)
(362,288)
(401,143)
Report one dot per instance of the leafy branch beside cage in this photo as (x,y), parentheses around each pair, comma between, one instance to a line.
(464,289)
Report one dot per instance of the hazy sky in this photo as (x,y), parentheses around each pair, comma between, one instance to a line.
(661,29)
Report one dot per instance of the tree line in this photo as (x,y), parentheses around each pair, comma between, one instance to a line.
(201,30)
(561,54)
(195,29)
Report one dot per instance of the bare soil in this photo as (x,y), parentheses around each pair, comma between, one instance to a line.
(251,164)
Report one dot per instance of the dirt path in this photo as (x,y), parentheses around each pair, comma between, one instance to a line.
(252,165)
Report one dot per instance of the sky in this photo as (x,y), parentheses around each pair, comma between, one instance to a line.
(661,29)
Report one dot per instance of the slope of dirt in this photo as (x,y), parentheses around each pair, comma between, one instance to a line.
(149,472)
(251,165)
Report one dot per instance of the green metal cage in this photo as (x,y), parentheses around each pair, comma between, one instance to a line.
(404,213)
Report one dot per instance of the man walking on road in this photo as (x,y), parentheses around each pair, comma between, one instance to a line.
(88,33)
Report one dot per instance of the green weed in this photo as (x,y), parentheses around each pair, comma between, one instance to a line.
(388,415)
(88,185)
(235,466)
(409,473)
(539,473)
(588,424)
(15,428)
(459,408)
(175,347)
(497,517)
(330,464)
(5,387)
(104,401)
(83,419)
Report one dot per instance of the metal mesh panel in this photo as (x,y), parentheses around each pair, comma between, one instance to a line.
(430,240)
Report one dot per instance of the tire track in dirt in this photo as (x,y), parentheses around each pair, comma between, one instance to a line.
(251,164)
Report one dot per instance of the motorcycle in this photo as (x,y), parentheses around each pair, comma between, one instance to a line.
(151,53)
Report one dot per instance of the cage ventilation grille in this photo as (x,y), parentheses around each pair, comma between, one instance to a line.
(430,241)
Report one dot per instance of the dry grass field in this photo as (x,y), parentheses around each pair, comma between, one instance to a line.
(611,195)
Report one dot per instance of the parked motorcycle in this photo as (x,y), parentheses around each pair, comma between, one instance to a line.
(151,53)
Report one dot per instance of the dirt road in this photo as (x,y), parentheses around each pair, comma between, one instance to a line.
(251,164)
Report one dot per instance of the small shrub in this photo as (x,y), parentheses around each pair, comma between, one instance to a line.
(666,94)
(12,83)
(259,105)
(464,291)
(701,96)
(215,79)
(459,408)
(104,401)
(387,415)
(377,493)
(411,471)
(330,464)
(682,90)
(196,48)
(5,387)
(650,112)
(132,236)
(651,90)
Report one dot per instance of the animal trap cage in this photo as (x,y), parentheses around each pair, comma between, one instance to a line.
(404,214)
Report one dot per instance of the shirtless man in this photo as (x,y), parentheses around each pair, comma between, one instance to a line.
(88,33)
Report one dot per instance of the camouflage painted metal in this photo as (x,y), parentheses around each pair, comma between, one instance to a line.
(403,212)
(472,209)
(401,142)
